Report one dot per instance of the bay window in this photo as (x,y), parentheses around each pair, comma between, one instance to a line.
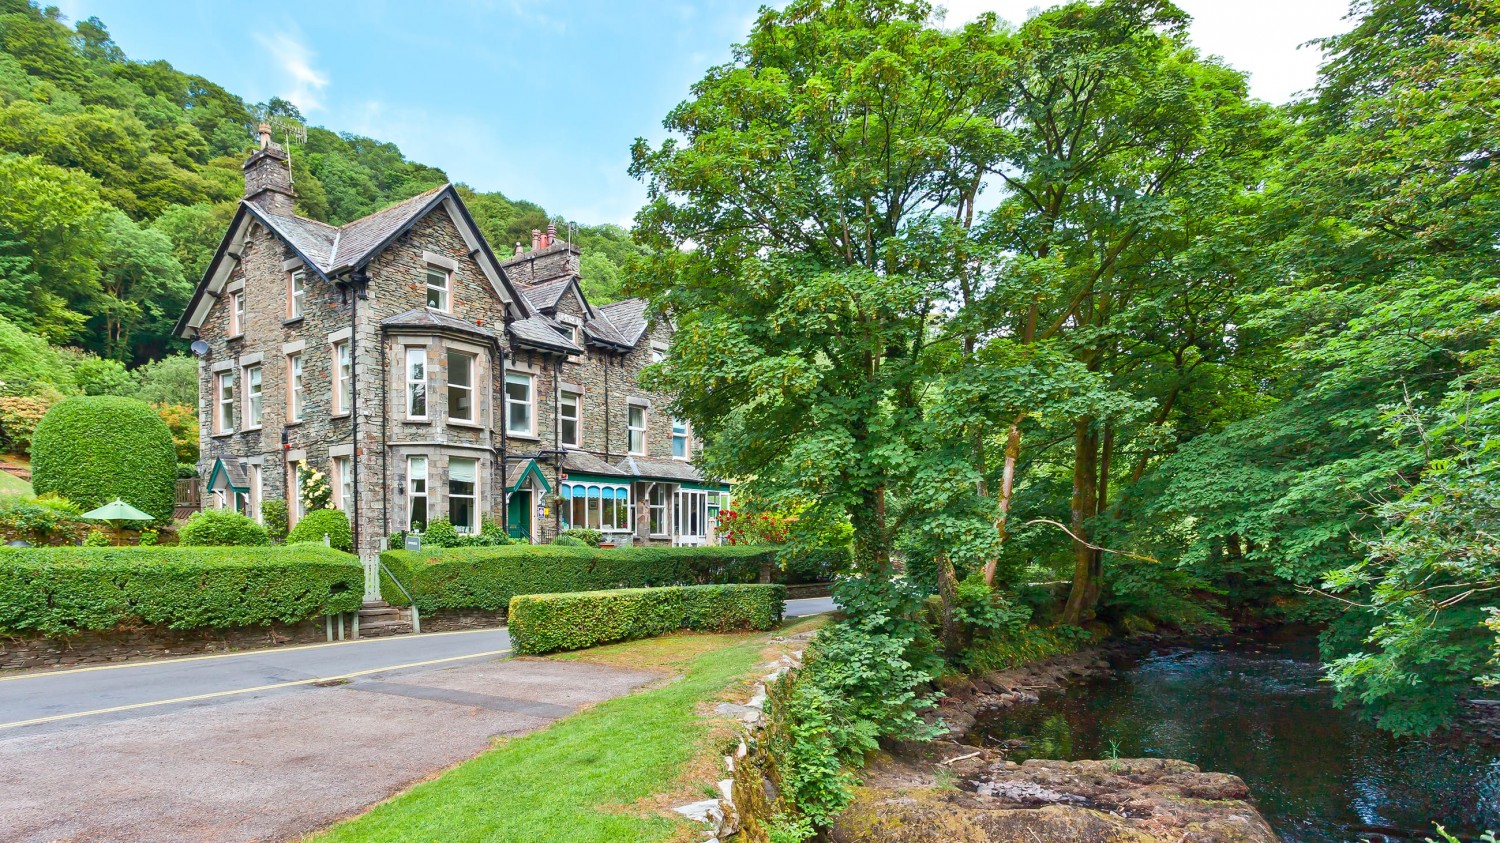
(597,507)
(416,382)
(416,486)
(463,505)
(570,418)
(518,404)
(460,386)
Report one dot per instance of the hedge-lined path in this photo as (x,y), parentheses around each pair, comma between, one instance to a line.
(57,699)
(268,749)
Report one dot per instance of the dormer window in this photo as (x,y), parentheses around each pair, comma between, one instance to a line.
(439,282)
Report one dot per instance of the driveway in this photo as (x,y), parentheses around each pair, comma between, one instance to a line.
(269,744)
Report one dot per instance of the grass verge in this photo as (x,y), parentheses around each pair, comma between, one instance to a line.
(580,779)
(13,485)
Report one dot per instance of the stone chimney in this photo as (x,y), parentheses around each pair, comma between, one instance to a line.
(536,239)
(268,176)
(519,250)
(551,236)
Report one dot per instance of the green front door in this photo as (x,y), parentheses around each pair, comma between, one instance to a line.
(518,518)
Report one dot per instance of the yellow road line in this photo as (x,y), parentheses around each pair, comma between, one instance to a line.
(208,696)
(259,651)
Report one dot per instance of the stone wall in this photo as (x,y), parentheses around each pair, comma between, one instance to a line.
(136,643)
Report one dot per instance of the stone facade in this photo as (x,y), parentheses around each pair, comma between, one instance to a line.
(523,320)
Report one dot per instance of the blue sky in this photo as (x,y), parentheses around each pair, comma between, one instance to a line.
(542,101)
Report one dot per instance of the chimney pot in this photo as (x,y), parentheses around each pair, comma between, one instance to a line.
(264,130)
(536,239)
(551,235)
(518,248)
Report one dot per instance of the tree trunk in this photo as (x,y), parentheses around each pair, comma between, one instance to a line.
(872,547)
(1087,564)
(1007,490)
(947,582)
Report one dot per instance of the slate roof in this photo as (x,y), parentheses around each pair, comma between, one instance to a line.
(332,249)
(546,295)
(600,328)
(538,332)
(660,469)
(421,317)
(628,318)
(583,462)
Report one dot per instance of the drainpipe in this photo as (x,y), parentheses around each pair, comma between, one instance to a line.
(504,462)
(557,435)
(385,448)
(359,282)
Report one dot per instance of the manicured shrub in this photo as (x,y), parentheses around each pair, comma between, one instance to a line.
(320,522)
(545,623)
(64,590)
(487,578)
(566,540)
(273,515)
(94,449)
(440,533)
(221,528)
(592,538)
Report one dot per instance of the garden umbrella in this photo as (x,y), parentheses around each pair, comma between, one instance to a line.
(116,512)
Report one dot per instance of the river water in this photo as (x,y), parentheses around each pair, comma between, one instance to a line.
(1258,710)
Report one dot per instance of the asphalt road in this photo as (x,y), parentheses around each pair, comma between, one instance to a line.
(45,701)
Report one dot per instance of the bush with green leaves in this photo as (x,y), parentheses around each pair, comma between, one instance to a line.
(273,514)
(65,590)
(93,449)
(221,528)
(592,538)
(488,577)
(40,520)
(440,532)
(313,526)
(566,540)
(98,538)
(546,623)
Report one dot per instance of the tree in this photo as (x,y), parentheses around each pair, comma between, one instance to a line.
(142,290)
(53,218)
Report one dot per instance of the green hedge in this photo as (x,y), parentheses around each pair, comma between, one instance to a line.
(63,590)
(95,448)
(488,577)
(544,623)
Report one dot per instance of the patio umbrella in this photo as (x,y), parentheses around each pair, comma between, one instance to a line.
(116,512)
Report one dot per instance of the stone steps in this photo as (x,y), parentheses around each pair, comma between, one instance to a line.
(378,618)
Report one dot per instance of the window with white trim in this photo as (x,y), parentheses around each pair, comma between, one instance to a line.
(342,377)
(294,387)
(294,507)
(681,440)
(460,386)
(656,504)
(343,483)
(416,490)
(570,418)
(296,293)
(252,397)
(597,506)
(636,430)
(519,417)
(463,501)
(439,284)
(224,402)
(237,313)
(255,493)
(416,382)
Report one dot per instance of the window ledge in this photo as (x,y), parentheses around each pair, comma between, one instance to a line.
(462,423)
(295,320)
(528,436)
(293,422)
(222,434)
(414,420)
(342,415)
(232,337)
(255,429)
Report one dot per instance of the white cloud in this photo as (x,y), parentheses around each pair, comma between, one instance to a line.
(302,83)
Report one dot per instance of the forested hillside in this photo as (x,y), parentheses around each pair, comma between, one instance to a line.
(117,178)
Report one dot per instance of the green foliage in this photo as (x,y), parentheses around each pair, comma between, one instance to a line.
(97,538)
(487,578)
(318,523)
(592,538)
(545,623)
(314,487)
(273,513)
(94,449)
(149,538)
(221,528)
(43,520)
(63,591)
(570,541)
(1023,646)
(440,533)
(171,380)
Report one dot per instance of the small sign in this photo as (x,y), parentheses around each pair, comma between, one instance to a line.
(413,541)
(562,476)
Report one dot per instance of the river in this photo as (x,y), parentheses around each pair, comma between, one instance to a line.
(1256,708)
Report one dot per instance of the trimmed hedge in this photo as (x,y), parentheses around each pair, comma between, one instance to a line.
(488,577)
(95,448)
(332,523)
(545,623)
(63,590)
(221,528)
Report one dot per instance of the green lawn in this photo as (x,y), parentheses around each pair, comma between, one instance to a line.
(11,484)
(574,781)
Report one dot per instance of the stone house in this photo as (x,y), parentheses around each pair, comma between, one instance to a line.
(428,378)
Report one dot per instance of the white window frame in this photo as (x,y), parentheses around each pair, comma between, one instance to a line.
(416,383)
(529,403)
(224,402)
(256,491)
(254,395)
(412,494)
(343,482)
(576,418)
(296,293)
(634,431)
(657,512)
(237,313)
(686,435)
(294,510)
(472,498)
(444,291)
(342,380)
(471,388)
(294,397)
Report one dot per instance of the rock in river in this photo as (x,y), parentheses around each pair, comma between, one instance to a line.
(1127,800)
